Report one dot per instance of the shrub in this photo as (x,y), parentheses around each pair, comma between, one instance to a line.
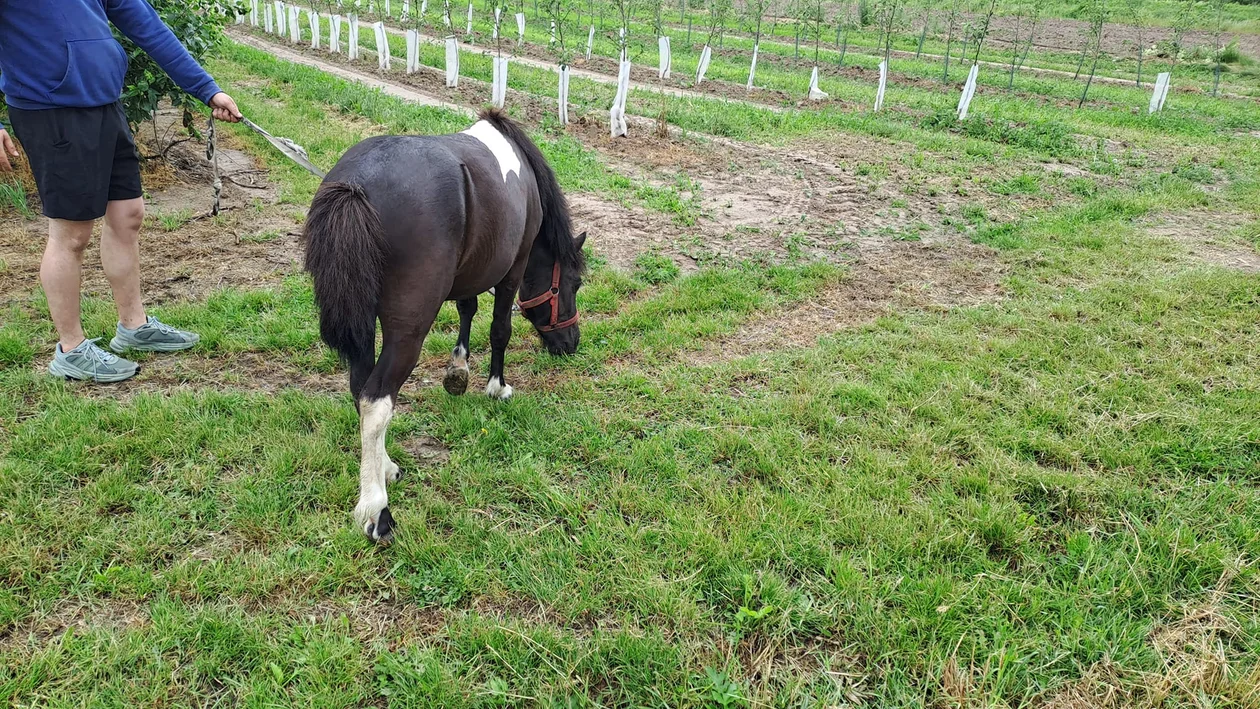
(199,25)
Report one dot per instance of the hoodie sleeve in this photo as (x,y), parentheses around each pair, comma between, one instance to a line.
(140,22)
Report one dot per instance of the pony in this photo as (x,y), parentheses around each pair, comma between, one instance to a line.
(404,223)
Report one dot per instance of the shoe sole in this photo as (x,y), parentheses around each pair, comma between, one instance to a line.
(120,347)
(82,376)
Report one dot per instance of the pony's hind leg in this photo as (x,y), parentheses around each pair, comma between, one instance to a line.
(456,380)
(500,333)
(376,408)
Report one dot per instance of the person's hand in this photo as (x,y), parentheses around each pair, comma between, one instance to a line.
(7,148)
(225,108)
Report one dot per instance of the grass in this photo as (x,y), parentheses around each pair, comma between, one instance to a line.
(1046,497)
(13,198)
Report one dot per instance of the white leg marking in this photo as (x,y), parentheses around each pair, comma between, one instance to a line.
(496,389)
(374,419)
(459,358)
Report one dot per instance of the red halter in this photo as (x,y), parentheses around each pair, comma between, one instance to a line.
(553,296)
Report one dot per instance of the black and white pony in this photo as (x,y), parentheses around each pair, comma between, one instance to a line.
(404,223)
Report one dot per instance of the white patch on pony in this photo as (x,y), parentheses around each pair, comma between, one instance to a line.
(374,467)
(499,146)
(459,358)
(496,389)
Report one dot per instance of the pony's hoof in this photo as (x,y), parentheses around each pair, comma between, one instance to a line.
(382,530)
(456,381)
(496,389)
(393,473)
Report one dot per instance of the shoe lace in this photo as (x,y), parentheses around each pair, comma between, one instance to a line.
(97,354)
(163,327)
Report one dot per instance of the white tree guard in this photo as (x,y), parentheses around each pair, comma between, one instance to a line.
(295,27)
(253,12)
(752,68)
(388,11)
(1160,93)
(815,93)
(553,33)
(268,20)
(499,89)
(413,51)
(424,6)
(452,62)
(706,55)
(470,11)
(969,90)
(498,13)
(240,18)
(666,59)
(334,34)
(520,27)
(621,42)
(590,42)
(382,46)
(563,95)
(883,83)
(617,114)
(312,18)
(353,40)
(282,14)
(406,12)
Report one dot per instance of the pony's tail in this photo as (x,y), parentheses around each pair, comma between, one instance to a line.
(345,255)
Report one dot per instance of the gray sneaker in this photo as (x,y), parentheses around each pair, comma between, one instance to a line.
(152,336)
(90,362)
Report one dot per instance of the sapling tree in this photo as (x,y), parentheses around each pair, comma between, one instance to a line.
(718,11)
(813,21)
(980,30)
(1136,10)
(846,22)
(955,14)
(1032,13)
(927,22)
(886,16)
(1097,22)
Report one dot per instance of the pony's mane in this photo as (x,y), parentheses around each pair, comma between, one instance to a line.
(556,230)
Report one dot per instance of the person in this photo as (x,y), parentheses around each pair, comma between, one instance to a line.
(61,73)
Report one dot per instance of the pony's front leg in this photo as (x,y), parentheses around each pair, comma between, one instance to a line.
(500,333)
(456,380)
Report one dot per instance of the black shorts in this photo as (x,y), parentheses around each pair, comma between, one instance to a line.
(82,158)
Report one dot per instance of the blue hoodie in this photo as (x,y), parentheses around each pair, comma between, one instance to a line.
(61,54)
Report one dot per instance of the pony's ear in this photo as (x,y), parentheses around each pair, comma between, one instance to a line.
(580,240)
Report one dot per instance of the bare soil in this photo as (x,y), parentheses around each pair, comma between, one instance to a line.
(253,243)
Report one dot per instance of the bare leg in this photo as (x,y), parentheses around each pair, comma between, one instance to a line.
(120,257)
(61,273)
(500,333)
(456,379)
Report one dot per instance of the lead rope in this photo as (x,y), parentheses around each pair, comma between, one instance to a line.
(212,154)
(287,147)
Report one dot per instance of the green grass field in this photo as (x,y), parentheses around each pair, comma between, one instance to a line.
(1043,497)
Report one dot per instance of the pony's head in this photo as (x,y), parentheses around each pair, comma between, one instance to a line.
(549,294)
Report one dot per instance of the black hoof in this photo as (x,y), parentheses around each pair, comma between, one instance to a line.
(383,531)
(456,381)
